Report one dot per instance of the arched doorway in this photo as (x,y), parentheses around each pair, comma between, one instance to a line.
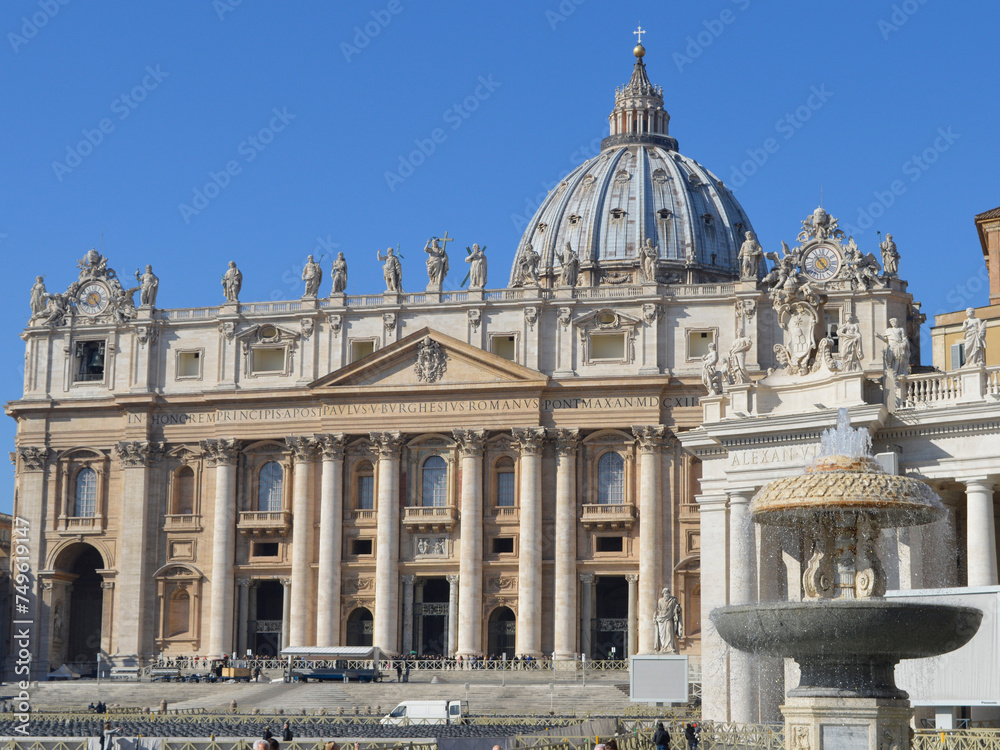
(360,627)
(267,618)
(430,617)
(502,629)
(609,631)
(77,608)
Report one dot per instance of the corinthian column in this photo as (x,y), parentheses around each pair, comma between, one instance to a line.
(134,457)
(388,446)
(565,583)
(452,614)
(303,598)
(331,513)
(982,541)
(470,566)
(651,440)
(529,563)
(742,564)
(29,513)
(222,454)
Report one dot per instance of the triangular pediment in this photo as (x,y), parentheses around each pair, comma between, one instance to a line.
(430,358)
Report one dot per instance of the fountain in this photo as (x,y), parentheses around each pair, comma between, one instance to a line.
(845,637)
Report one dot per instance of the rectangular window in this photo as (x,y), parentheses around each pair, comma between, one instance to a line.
(503,545)
(504,346)
(265,549)
(89,361)
(267,360)
(188,365)
(831,319)
(361,546)
(361,349)
(505,489)
(957,355)
(698,342)
(366,493)
(607,346)
(610,544)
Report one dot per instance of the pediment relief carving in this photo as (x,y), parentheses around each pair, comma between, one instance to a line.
(606,319)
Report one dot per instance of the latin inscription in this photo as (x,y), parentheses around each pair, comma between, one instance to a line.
(794,454)
(424,407)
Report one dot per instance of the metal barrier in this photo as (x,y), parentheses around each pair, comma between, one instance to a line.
(166,743)
(956,739)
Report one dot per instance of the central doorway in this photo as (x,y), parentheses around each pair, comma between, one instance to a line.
(501,633)
(430,617)
(609,630)
(268,625)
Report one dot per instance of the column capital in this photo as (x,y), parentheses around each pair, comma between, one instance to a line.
(221,452)
(632,578)
(529,440)
(33,458)
(567,441)
(331,446)
(387,444)
(470,442)
(303,448)
(285,581)
(653,438)
(586,578)
(408,579)
(243,583)
(452,579)
(137,453)
(741,497)
(983,482)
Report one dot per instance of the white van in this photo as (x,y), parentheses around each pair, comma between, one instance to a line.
(428,712)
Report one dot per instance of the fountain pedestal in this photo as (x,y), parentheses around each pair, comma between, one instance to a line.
(846,723)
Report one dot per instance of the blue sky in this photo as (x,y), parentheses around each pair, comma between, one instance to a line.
(353,126)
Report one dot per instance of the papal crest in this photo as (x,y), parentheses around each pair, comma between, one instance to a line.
(431,361)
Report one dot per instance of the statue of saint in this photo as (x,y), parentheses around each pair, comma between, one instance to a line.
(669,624)
(38,296)
(974,333)
(477,268)
(896,357)
(312,274)
(232,280)
(392,271)
(528,266)
(890,257)
(751,254)
(339,274)
(570,266)
(55,309)
(649,260)
(851,352)
(738,359)
(437,262)
(709,373)
(149,285)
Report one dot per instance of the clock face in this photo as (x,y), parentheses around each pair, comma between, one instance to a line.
(821,263)
(93,298)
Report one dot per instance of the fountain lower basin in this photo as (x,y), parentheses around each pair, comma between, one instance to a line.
(848,647)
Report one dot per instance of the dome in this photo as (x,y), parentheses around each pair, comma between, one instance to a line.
(638,188)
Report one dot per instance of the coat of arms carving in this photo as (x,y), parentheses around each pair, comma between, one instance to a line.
(431,361)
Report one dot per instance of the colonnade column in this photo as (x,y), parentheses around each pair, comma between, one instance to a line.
(650,439)
(31,486)
(742,569)
(244,618)
(303,597)
(633,604)
(331,518)
(134,458)
(468,625)
(408,613)
(385,628)
(222,454)
(529,565)
(714,573)
(286,611)
(567,442)
(586,612)
(981,541)
(453,583)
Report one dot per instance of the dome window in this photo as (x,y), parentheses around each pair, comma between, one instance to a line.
(659,177)
(618,213)
(664,214)
(542,226)
(621,176)
(574,219)
(708,219)
(694,180)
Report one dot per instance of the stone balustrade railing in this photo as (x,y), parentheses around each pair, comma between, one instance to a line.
(944,388)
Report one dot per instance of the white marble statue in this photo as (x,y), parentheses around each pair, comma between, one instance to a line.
(737,359)
(890,257)
(392,270)
(851,352)
(477,266)
(570,266)
(339,272)
(528,266)
(669,624)
(896,357)
(38,296)
(649,260)
(312,274)
(974,337)
(232,281)
(437,263)
(709,373)
(149,285)
(751,255)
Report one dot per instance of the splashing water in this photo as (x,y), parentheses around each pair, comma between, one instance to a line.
(844,440)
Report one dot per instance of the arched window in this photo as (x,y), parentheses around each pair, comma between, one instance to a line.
(270,487)
(611,479)
(184,491)
(85,493)
(505,482)
(435,482)
(365,474)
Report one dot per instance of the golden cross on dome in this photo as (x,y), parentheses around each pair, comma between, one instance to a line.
(639,32)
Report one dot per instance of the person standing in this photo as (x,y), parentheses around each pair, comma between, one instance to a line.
(661,737)
(108,735)
(691,733)
(286,732)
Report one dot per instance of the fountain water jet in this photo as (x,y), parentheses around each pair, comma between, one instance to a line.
(845,637)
